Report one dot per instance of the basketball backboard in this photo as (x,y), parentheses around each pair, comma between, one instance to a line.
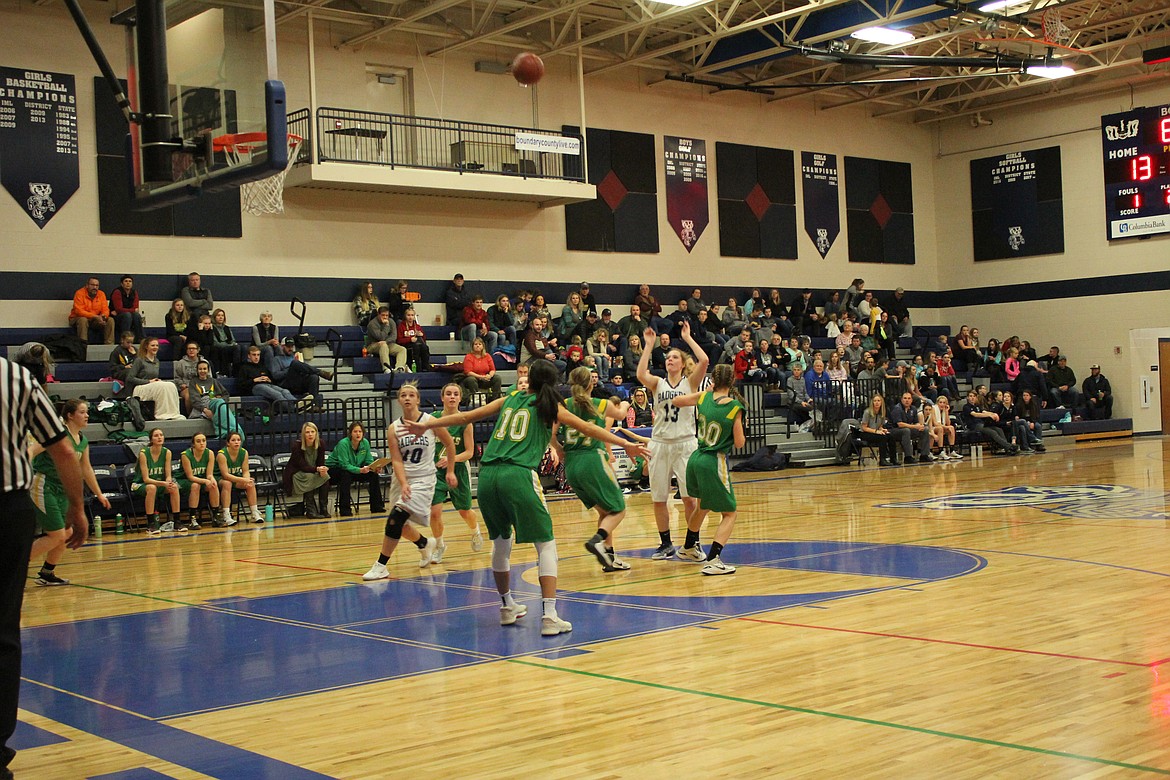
(218,78)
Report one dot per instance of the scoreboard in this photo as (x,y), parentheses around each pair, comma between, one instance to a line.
(1136,149)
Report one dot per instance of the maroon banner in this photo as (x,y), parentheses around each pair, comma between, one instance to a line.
(686,188)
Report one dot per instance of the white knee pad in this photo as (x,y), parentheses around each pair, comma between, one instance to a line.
(546,558)
(501,554)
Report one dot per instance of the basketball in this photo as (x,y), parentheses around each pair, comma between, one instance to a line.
(527,68)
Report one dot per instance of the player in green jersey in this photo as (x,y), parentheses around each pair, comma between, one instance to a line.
(460,497)
(720,427)
(48,493)
(198,463)
(510,496)
(588,469)
(154,476)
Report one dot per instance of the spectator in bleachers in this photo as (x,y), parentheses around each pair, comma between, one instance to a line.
(796,355)
(176,322)
(226,352)
(479,372)
(659,352)
(202,391)
(126,308)
(306,478)
(734,318)
(965,350)
(1062,384)
(607,321)
(875,430)
(982,424)
(572,314)
(36,357)
(1011,364)
(365,305)
(869,369)
(734,346)
(1029,411)
(833,306)
(800,406)
(253,379)
(641,413)
(647,303)
(598,347)
(294,375)
(766,324)
(769,363)
(503,321)
(754,303)
(900,313)
(632,325)
(820,388)
(456,299)
(676,319)
(91,309)
(942,430)
(266,335)
(617,387)
(1015,428)
(864,307)
(122,356)
(537,347)
(1026,351)
(747,367)
(196,297)
(382,341)
(631,357)
(929,384)
(803,313)
(710,320)
(186,371)
(695,304)
(475,324)
(854,354)
(947,378)
(868,340)
(885,335)
(853,295)
(142,380)
(588,302)
(910,426)
(203,335)
(1098,395)
(539,308)
(835,368)
(397,300)
(349,462)
(413,339)
(993,359)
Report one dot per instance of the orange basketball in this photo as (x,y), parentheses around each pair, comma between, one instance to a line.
(527,68)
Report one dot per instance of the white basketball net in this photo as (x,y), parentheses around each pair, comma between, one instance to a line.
(1055,30)
(266,196)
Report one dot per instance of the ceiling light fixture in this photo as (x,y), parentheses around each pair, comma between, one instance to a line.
(1001,5)
(1050,71)
(886,35)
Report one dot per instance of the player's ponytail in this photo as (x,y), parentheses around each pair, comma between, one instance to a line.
(542,382)
(580,379)
(723,378)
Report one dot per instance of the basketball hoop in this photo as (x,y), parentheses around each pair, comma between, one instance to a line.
(1055,30)
(265,196)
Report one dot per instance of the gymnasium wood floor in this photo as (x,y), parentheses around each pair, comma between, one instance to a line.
(1017,629)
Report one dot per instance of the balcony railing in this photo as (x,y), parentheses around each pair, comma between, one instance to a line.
(399,141)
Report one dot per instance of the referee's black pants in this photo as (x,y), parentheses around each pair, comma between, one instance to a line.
(17,522)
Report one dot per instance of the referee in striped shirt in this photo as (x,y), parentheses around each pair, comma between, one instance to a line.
(25,411)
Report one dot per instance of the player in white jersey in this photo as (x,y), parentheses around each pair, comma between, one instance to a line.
(673,439)
(413,459)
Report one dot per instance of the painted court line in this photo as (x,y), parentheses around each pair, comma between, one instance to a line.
(955,643)
(850,718)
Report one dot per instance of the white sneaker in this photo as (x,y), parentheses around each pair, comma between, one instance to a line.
(427,553)
(476,541)
(228,520)
(377,572)
(257,517)
(599,552)
(509,615)
(716,566)
(439,550)
(617,564)
(956,455)
(551,625)
(663,552)
(694,554)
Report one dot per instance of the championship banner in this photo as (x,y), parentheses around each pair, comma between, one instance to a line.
(822,209)
(38,140)
(1016,204)
(686,188)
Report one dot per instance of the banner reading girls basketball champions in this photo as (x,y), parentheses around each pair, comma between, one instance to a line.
(686,188)
(822,211)
(38,140)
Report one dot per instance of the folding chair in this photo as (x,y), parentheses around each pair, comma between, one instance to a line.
(861,447)
(266,483)
(110,483)
(134,503)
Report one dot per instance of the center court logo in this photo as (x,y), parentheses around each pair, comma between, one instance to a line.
(1085,501)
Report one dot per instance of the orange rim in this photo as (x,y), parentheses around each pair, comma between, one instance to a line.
(244,142)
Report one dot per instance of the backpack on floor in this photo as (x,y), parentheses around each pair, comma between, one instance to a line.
(223,419)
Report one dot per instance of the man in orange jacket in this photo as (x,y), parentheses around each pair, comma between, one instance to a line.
(90,307)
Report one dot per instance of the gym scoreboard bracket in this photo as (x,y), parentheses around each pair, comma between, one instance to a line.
(1136,150)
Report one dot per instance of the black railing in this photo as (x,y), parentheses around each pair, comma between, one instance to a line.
(400,141)
(755,421)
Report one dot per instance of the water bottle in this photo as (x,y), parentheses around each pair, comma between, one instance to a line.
(97,526)
(119,527)
(269,513)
